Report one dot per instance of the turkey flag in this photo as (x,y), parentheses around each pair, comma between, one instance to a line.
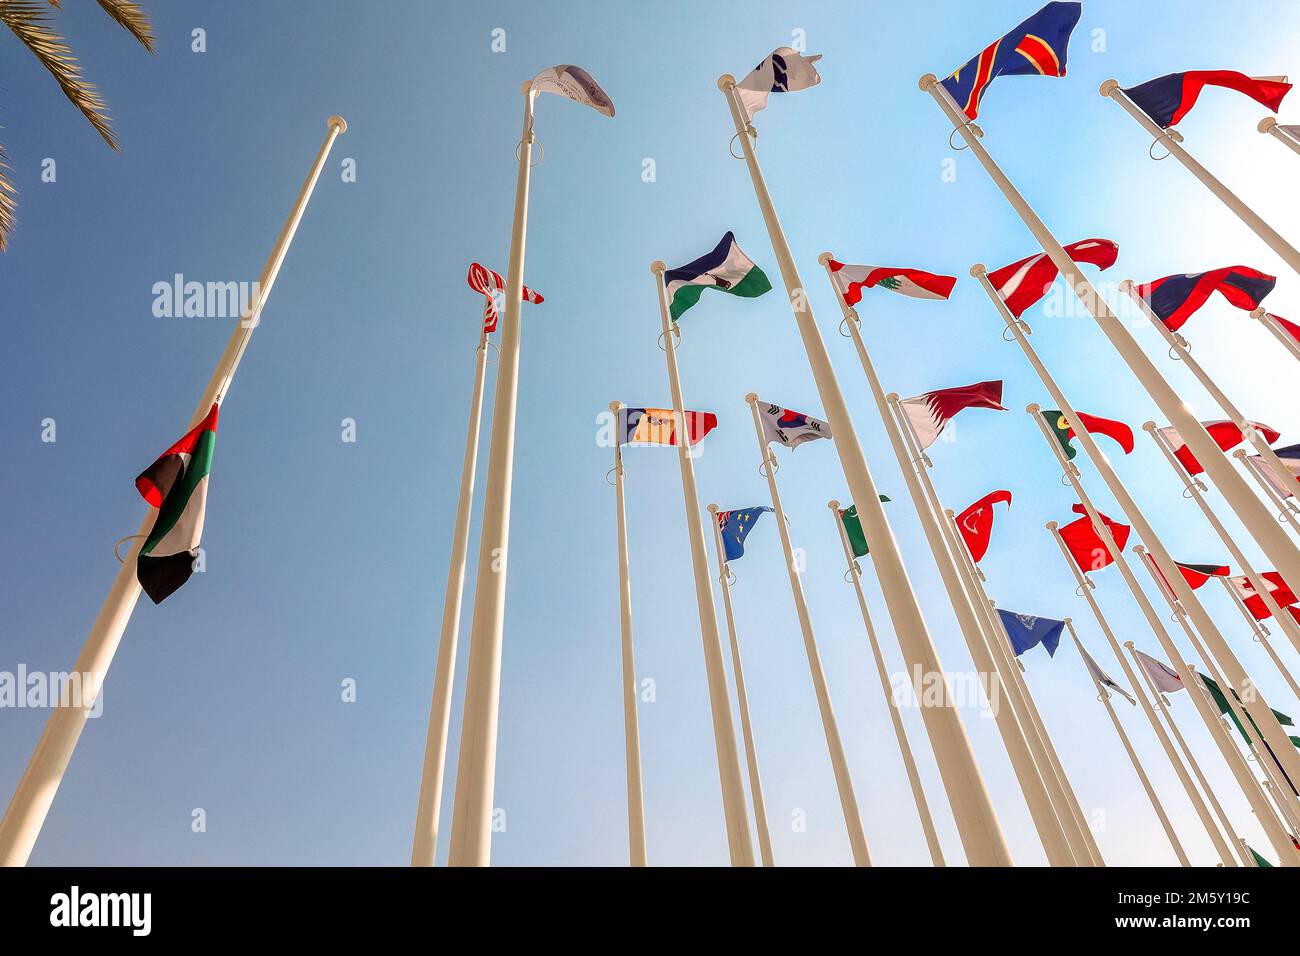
(976,523)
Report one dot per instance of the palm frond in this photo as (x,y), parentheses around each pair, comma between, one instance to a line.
(8,204)
(132,19)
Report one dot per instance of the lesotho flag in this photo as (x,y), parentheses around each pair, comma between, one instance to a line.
(726,268)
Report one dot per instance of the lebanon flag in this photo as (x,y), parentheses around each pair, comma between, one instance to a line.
(177,485)
(1086,546)
(1023,283)
(1225,434)
(1290,457)
(1277,588)
(484,280)
(929,413)
(1174,299)
(1167,99)
(976,523)
(1064,431)
(851,280)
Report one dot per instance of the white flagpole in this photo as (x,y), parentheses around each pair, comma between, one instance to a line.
(1269,321)
(40,781)
(834,745)
(1261,634)
(854,575)
(631,729)
(1270,126)
(739,840)
(742,701)
(972,807)
(1258,226)
(1285,510)
(1103,695)
(1280,549)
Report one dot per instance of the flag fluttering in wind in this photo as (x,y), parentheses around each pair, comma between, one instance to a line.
(1064,431)
(177,485)
(1036,47)
(1197,574)
(1025,282)
(851,280)
(1259,860)
(1221,702)
(1225,434)
(976,523)
(1290,457)
(1103,678)
(1174,299)
(1162,675)
(575,83)
(853,529)
(726,268)
(1026,631)
(490,284)
(1167,99)
(1086,545)
(784,71)
(930,412)
(658,426)
(735,526)
(1290,328)
(788,428)
(1278,590)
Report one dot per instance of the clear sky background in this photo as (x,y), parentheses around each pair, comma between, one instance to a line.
(326,560)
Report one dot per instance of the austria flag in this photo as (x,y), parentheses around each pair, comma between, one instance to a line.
(1023,283)
(976,523)
(1167,99)
(851,280)
(1174,299)
(1086,546)
(1225,434)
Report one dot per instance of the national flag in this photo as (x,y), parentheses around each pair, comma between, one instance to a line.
(725,268)
(1103,678)
(1197,574)
(930,412)
(976,523)
(658,426)
(1163,676)
(851,280)
(1281,592)
(784,71)
(1023,283)
(1036,47)
(1259,860)
(1216,692)
(1225,434)
(790,428)
(177,485)
(1064,431)
(1290,328)
(1026,631)
(575,83)
(490,284)
(1174,299)
(735,527)
(1167,99)
(1086,545)
(853,529)
(1290,458)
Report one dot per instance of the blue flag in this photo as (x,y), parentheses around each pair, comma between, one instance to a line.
(1026,631)
(735,527)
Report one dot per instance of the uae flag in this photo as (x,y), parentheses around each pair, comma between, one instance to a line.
(1225,434)
(1278,589)
(790,428)
(853,530)
(1064,431)
(1086,545)
(1174,299)
(177,485)
(851,280)
(726,268)
(976,523)
(1023,283)
(929,413)
(1290,457)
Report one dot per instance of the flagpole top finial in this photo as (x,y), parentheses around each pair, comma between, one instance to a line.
(825,257)
(658,267)
(615,406)
(1240,453)
(712,508)
(1032,408)
(526,87)
(927,81)
(752,398)
(892,397)
(1109,87)
(1051,526)
(1148,426)
(833,504)
(978,269)
(725,82)
(1267,123)
(1129,645)
(1126,286)
(339,122)
(1259,313)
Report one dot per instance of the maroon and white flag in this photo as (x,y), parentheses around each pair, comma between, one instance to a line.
(484,280)
(929,413)
(851,280)
(1225,434)
(1023,283)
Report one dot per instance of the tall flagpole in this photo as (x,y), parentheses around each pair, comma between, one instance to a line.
(739,841)
(968,797)
(854,574)
(1272,540)
(1261,634)
(839,762)
(742,701)
(1289,253)
(1269,321)
(631,729)
(40,781)
(1269,125)
(1103,695)
(1285,511)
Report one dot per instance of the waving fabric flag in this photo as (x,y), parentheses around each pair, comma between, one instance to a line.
(1222,703)
(575,83)
(735,527)
(1163,676)
(790,428)
(1290,457)
(1064,432)
(1023,283)
(1174,299)
(1290,328)
(1167,99)
(1103,678)
(1197,574)
(1026,631)
(853,529)
(726,268)
(490,284)
(851,280)
(177,485)
(658,426)
(1085,544)
(1278,589)
(784,71)
(1225,434)
(930,412)
(976,523)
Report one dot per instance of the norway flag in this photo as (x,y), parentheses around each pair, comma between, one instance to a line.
(1167,99)
(1175,298)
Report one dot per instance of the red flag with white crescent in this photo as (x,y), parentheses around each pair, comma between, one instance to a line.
(976,523)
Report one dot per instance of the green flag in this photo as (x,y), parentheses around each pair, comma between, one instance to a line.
(1222,702)
(1259,860)
(853,528)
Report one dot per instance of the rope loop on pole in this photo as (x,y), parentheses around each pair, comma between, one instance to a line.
(608,473)
(975,130)
(729,577)
(1151,151)
(489,346)
(1102,698)
(769,461)
(840,328)
(731,143)
(1006,329)
(117,544)
(677,339)
(519,145)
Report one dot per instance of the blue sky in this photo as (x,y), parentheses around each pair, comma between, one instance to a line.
(326,559)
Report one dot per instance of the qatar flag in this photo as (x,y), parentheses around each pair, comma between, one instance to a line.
(976,523)
(850,280)
(1225,434)
(1023,283)
(929,413)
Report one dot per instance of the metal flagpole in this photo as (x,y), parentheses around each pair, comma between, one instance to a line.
(854,576)
(739,840)
(631,730)
(839,763)
(1269,321)
(1103,695)
(1270,126)
(742,701)
(1261,634)
(1258,226)
(1285,510)
(1280,549)
(972,807)
(40,781)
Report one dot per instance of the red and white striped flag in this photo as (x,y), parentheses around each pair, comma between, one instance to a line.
(1023,283)
(484,280)
(851,280)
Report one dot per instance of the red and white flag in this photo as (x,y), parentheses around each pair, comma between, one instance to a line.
(1279,590)
(1225,434)
(851,280)
(484,280)
(976,523)
(1162,675)
(1290,458)
(929,413)
(1023,283)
